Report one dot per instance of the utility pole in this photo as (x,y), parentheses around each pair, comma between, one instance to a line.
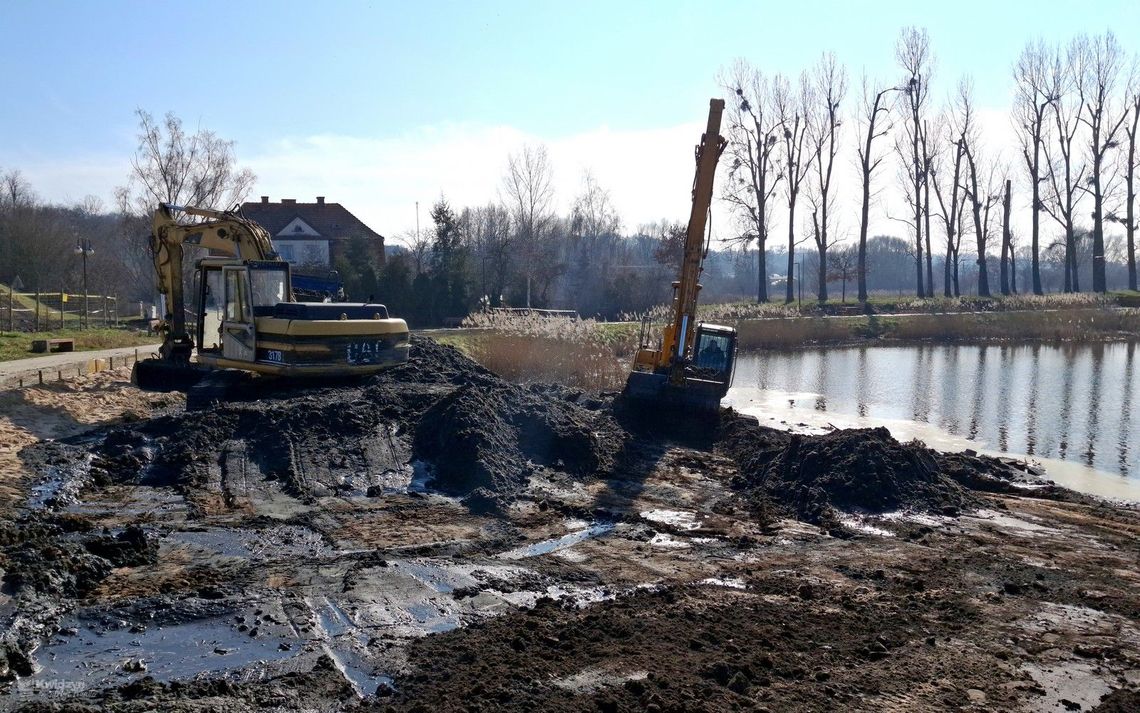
(83,247)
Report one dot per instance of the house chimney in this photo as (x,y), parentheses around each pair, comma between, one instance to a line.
(320,200)
(288,201)
(264,200)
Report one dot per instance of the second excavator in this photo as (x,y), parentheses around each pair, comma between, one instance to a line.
(692,366)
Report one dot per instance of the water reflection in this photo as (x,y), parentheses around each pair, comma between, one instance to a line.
(1071,402)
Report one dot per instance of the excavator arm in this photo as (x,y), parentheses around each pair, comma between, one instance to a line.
(223,233)
(678,337)
(692,366)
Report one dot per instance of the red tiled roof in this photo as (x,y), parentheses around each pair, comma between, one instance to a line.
(331,220)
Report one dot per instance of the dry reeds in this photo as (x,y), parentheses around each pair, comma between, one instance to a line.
(533,348)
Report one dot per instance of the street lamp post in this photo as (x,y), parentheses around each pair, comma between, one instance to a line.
(83,247)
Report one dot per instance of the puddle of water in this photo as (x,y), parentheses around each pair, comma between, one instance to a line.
(668,542)
(679,519)
(94,657)
(1074,681)
(579,596)
(729,582)
(343,641)
(557,543)
(60,484)
(362,677)
(917,518)
(1010,523)
(278,542)
(592,679)
(860,524)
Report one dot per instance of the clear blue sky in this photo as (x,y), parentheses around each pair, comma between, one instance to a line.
(257,72)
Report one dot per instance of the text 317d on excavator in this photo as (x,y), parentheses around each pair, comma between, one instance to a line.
(692,365)
(247,318)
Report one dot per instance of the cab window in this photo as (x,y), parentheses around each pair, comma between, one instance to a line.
(268,287)
(237,297)
(712,351)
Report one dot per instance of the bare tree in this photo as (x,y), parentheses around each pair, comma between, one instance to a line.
(842,266)
(874,103)
(1131,162)
(1006,240)
(593,214)
(829,88)
(171,166)
(964,118)
(529,192)
(753,136)
(950,206)
(1063,171)
(793,112)
(927,162)
(488,229)
(958,240)
(1036,92)
(1101,66)
(914,56)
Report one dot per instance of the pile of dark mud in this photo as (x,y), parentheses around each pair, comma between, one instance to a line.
(479,436)
(813,477)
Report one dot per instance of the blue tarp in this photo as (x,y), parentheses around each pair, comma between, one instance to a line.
(308,283)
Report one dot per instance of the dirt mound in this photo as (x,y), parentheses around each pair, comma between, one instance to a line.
(54,555)
(490,435)
(852,470)
(475,431)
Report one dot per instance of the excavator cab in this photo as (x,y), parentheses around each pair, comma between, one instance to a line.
(697,385)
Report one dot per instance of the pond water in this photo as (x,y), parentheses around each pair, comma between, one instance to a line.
(1070,406)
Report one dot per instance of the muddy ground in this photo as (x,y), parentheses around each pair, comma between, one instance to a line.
(438,539)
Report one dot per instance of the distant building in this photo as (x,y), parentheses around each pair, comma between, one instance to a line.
(312,235)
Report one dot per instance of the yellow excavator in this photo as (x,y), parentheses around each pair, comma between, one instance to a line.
(246,316)
(691,367)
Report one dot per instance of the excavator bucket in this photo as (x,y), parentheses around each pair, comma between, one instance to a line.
(692,395)
(163,375)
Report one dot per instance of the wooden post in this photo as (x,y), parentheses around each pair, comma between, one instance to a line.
(11,311)
(105,322)
(36,322)
(41,377)
(62,294)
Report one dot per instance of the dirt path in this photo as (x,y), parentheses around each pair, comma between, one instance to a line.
(68,362)
(343,550)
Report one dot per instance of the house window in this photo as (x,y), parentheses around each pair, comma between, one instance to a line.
(313,255)
(286,253)
(298,229)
